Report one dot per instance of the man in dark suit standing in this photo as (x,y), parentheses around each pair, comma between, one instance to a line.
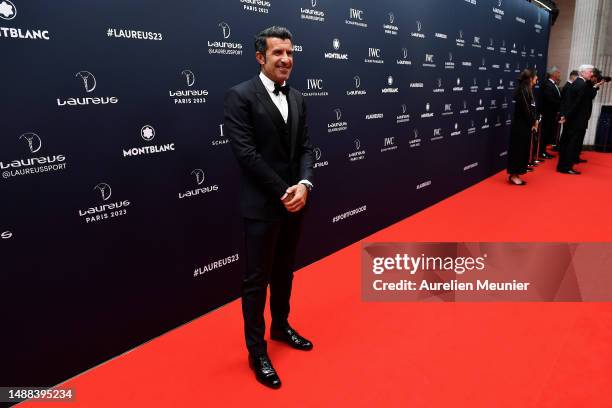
(575,113)
(572,77)
(550,101)
(265,121)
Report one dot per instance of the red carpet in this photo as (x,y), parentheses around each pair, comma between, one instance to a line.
(402,354)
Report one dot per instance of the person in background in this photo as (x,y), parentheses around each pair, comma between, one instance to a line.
(575,113)
(572,77)
(523,124)
(550,102)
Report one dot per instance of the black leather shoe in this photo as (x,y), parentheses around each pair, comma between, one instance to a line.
(264,372)
(291,337)
(570,171)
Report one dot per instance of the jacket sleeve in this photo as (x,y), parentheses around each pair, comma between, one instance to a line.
(240,132)
(306,151)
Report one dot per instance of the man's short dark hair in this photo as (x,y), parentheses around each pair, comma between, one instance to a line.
(574,73)
(261,43)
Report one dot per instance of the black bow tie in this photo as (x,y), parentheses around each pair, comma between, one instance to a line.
(284,89)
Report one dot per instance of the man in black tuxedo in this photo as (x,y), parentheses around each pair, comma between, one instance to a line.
(572,77)
(550,101)
(575,113)
(265,121)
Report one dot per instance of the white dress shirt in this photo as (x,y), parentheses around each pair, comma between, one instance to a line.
(280,101)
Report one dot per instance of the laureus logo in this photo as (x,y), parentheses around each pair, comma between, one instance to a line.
(391,18)
(419,26)
(89,80)
(357,144)
(147,132)
(339,125)
(313,3)
(33,140)
(405,52)
(318,154)
(189,77)
(105,191)
(404,108)
(200,190)
(199,176)
(225,28)
(357,81)
(8,11)
(390,80)
(338,113)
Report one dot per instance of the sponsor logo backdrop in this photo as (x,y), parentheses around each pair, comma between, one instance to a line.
(119,210)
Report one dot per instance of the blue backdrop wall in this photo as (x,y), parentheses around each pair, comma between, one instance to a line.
(119,209)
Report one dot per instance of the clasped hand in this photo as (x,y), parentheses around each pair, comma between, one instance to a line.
(295,197)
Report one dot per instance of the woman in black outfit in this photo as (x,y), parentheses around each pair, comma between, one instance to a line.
(524,122)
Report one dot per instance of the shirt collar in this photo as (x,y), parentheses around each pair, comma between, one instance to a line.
(552,80)
(267,82)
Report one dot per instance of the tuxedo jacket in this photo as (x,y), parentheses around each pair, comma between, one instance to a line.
(565,88)
(273,155)
(550,99)
(577,104)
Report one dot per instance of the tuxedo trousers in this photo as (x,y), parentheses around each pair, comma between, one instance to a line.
(569,151)
(270,258)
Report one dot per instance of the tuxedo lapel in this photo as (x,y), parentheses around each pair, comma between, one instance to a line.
(264,98)
(293,111)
